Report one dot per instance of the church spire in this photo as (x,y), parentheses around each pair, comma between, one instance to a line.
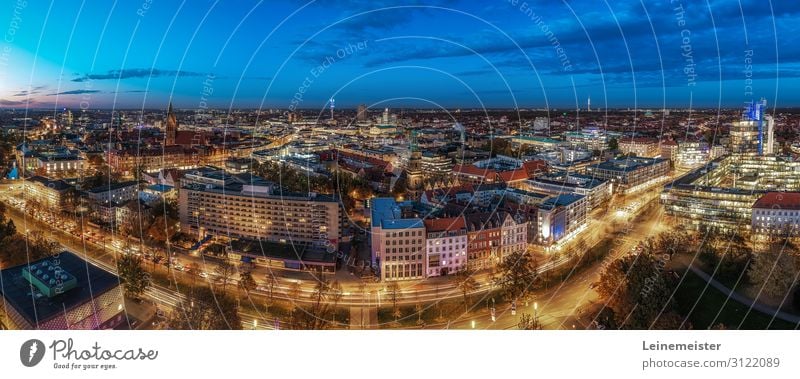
(171,127)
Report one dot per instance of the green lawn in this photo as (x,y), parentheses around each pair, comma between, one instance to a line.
(712,301)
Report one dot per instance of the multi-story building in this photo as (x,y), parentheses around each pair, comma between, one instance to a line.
(439,197)
(538,143)
(721,194)
(499,169)
(61,292)
(624,173)
(541,125)
(484,236)
(777,214)
(397,242)
(243,206)
(692,154)
(754,134)
(592,138)
(114,193)
(669,150)
(361,112)
(61,165)
(596,190)
(436,165)
(446,245)
(561,216)
(52,194)
(640,147)
(44,158)
(132,160)
(513,235)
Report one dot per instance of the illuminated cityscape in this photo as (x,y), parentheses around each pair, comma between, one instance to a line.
(378,176)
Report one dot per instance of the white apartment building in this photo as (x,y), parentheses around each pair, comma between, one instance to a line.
(446,245)
(397,243)
(513,236)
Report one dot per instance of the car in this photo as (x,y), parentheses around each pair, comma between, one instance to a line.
(204,274)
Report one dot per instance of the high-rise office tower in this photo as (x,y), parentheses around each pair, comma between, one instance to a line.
(385,118)
(769,144)
(361,114)
(747,136)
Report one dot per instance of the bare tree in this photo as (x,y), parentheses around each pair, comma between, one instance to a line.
(336,294)
(246,282)
(465,281)
(393,290)
(225,270)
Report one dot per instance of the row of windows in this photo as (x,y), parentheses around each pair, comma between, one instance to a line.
(479,245)
(403,271)
(447,248)
(773,212)
(774,219)
(404,257)
(395,242)
(440,241)
(413,233)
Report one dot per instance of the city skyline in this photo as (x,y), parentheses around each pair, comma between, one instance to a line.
(334,177)
(450,54)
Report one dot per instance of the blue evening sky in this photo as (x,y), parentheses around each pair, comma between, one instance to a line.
(428,53)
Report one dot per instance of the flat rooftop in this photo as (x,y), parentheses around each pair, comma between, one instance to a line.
(627,164)
(561,200)
(90,282)
(386,214)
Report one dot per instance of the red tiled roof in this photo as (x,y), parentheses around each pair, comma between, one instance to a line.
(535,167)
(779,200)
(511,176)
(445,224)
(187,137)
(473,170)
(357,157)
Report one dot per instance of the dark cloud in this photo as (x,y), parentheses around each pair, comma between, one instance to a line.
(74,92)
(13,103)
(33,91)
(132,73)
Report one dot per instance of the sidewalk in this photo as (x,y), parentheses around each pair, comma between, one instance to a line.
(763,308)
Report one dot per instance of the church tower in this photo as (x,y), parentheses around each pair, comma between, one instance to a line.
(172,126)
(414,171)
